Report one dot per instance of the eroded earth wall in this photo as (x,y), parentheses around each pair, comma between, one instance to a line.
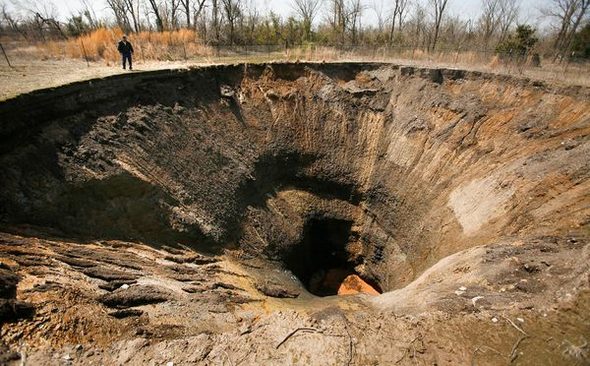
(424,163)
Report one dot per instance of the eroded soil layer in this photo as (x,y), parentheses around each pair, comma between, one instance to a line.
(192,216)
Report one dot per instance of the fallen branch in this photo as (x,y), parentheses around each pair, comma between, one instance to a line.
(515,326)
(513,354)
(403,356)
(310,330)
(350,345)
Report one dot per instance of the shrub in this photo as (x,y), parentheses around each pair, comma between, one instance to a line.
(519,43)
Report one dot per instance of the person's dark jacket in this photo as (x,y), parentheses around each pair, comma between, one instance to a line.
(125,48)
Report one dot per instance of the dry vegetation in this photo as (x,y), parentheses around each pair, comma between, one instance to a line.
(100,45)
(62,62)
(185,45)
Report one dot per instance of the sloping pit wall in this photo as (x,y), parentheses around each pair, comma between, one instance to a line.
(420,163)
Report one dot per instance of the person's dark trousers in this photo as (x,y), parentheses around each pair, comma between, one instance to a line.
(127,57)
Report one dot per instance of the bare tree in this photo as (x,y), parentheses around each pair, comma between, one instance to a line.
(338,19)
(354,14)
(488,21)
(215,18)
(44,16)
(132,7)
(569,14)
(378,8)
(233,11)
(346,16)
(397,14)
(497,17)
(507,17)
(172,14)
(197,9)
(249,21)
(307,10)
(439,7)
(12,23)
(119,9)
(90,14)
(418,26)
(155,7)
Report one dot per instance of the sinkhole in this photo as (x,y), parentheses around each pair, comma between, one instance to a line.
(290,163)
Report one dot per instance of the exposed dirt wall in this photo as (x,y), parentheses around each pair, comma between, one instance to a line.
(430,162)
(191,216)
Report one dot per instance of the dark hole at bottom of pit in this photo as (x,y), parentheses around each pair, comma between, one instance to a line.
(321,261)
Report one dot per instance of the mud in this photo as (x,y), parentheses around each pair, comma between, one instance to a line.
(207,216)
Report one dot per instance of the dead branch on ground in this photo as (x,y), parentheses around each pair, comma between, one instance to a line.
(307,330)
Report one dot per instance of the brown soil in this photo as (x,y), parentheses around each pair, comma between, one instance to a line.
(198,216)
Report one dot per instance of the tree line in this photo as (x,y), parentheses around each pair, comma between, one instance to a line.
(425,24)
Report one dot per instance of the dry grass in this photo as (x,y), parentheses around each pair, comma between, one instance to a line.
(101,45)
(561,73)
(38,66)
(185,45)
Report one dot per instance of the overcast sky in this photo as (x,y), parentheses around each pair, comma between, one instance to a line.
(467,9)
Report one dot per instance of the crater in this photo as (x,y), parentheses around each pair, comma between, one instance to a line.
(373,171)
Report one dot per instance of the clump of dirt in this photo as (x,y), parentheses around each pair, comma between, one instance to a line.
(209,215)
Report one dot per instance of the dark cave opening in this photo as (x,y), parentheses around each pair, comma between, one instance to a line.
(321,260)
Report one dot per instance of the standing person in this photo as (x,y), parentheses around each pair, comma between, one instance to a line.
(126,50)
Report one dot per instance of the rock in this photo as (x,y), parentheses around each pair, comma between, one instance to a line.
(227,91)
(8,282)
(126,313)
(108,274)
(10,308)
(353,285)
(135,296)
(113,285)
(476,299)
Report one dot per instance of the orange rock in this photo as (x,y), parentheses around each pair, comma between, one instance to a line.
(353,285)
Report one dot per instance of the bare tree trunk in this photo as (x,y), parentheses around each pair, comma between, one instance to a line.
(396,5)
(119,8)
(307,11)
(216,20)
(581,13)
(439,9)
(186,5)
(233,12)
(12,23)
(130,5)
(197,12)
(156,11)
